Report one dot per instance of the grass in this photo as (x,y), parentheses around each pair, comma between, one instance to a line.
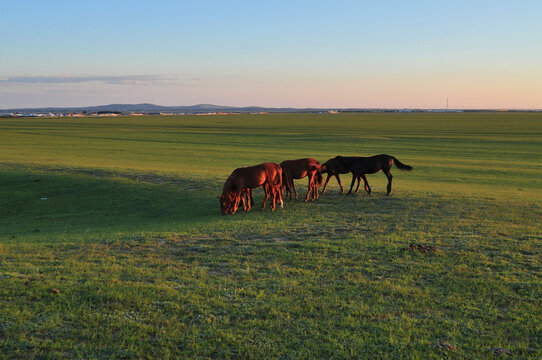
(128,255)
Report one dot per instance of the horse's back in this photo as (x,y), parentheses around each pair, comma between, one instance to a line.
(299,168)
(372,164)
(249,176)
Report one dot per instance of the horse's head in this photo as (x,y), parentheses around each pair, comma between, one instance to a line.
(323,168)
(330,164)
(318,178)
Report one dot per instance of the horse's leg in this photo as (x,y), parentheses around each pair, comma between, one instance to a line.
(273,198)
(236,204)
(293,187)
(266,191)
(325,184)
(279,192)
(243,195)
(367,187)
(354,177)
(313,189)
(279,195)
(310,176)
(390,177)
(357,187)
(250,200)
(339,181)
(286,186)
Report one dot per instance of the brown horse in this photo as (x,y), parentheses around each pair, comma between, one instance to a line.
(334,167)
(242,180)
(273,187)
(298,169)
(359,166)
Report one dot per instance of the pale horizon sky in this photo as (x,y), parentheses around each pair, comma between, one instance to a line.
(362,54)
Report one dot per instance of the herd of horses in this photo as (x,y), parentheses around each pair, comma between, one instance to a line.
(275,178)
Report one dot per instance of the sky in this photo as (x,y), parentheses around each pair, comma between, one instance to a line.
(361,54)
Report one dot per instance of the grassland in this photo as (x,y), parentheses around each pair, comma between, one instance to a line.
(112,244)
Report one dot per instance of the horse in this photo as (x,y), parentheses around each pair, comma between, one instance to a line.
(359,166)
(298,169)
(241,182)
(334,167)
(273,187)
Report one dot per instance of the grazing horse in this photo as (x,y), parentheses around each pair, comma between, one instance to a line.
(243,180)
(359,166)
(334,167)
(298,169)
(273,187)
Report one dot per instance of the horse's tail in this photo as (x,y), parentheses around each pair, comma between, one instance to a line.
(275,180)
(401,166)
(278,179)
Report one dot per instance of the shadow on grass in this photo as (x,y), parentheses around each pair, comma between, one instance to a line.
(75,204)
(48,204)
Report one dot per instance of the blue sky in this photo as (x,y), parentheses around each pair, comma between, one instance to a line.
(479,54)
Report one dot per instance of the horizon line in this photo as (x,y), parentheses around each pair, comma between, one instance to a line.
(266,107)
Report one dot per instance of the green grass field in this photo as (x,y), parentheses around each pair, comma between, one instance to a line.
(112,244)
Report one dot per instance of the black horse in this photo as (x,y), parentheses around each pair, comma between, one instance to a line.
(359,166)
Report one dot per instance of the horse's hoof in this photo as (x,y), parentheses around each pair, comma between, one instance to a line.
(281,205)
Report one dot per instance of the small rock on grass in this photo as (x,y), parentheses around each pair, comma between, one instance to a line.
(498,351)
(445,346)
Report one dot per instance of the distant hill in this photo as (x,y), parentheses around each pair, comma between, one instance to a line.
(150,108)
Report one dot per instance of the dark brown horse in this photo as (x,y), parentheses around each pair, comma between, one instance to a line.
(298,169)
(359,166)
(334,167)
(243,180)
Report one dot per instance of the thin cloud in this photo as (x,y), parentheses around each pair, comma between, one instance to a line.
(67,79)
